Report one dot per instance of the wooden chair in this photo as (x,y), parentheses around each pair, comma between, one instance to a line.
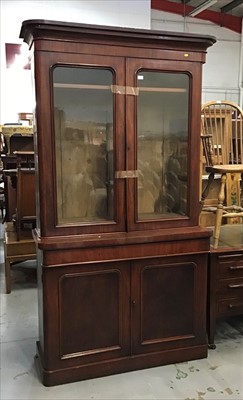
(26,207)
(222,140)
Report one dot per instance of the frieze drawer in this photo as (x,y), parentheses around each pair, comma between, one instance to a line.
(230,307)
(231,266)
(231,287)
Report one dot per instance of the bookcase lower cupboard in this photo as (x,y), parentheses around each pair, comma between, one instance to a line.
(112,314)
(122,260)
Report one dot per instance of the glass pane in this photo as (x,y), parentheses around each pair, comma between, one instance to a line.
(162,140)
(83,104)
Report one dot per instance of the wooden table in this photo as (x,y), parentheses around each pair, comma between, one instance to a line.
(15,250)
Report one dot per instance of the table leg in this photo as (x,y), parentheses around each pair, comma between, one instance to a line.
(8,275)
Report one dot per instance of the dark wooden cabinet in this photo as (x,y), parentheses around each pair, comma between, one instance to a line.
(225,287)
(119,316)
(122,258)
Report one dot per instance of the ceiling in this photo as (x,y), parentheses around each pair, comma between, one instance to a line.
(231,7)
(227,13)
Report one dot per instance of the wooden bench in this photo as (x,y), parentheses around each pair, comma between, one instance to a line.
(16,250)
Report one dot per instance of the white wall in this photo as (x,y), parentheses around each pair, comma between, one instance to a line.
(222,73)
(16,91)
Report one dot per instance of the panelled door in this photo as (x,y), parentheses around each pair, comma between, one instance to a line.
(89,313)
(166,296)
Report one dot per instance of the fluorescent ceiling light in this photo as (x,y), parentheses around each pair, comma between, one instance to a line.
(206,4)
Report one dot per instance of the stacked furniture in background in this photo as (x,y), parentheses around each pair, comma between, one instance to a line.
(222,158)
(19,193)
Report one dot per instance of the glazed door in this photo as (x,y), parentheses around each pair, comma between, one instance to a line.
(86,117)
(162,144)
(124,146)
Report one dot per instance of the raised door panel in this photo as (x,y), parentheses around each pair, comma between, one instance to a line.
(166,305)
(92,322)
(82,113)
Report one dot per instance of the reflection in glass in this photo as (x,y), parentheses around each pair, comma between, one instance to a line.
(84,144)
(162,137)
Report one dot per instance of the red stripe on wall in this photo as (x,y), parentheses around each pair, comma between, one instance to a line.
(225,20)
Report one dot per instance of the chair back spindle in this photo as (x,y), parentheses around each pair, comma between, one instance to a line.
(222,142)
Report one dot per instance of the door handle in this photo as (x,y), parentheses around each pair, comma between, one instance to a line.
(236,286)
